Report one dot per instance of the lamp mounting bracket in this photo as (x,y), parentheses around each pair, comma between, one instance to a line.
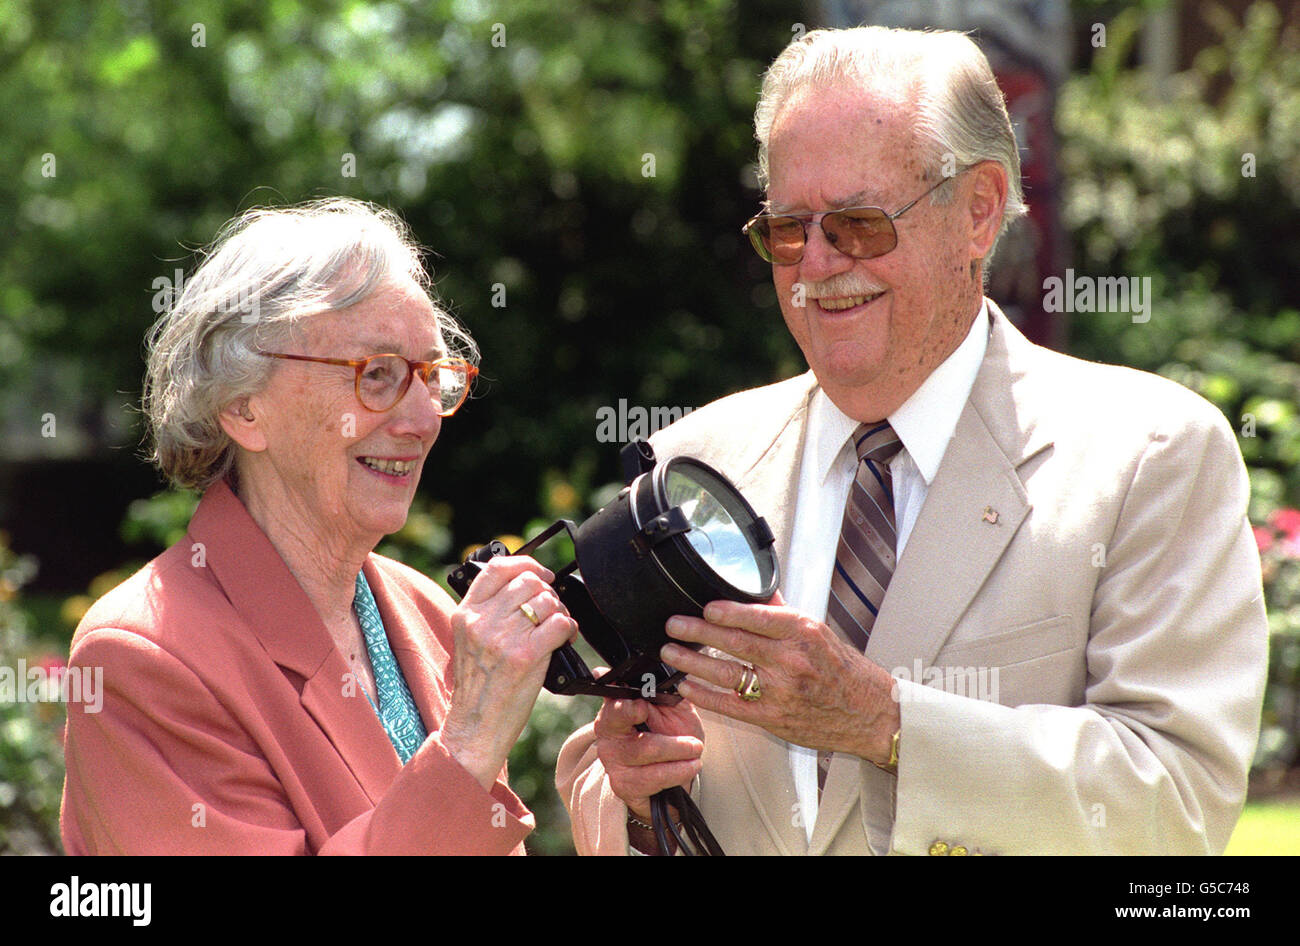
(659,529)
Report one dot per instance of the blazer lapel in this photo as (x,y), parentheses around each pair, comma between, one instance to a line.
(352,725)
(764,466)
(950,552)
(274,607)
(771,485)
(420,656)
(972,510)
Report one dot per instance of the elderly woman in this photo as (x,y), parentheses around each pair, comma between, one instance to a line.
(271,685)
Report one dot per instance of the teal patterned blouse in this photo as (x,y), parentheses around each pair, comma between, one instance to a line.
(396,709)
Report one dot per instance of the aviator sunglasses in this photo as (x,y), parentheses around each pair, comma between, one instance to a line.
(859,232)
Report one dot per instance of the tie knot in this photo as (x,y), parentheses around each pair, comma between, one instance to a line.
(876,442)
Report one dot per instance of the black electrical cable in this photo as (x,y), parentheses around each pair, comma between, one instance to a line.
(702,842)
(659,818)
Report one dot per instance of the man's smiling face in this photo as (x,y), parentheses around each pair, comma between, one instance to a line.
(872,330)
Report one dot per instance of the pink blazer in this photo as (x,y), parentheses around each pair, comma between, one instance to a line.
(229,724)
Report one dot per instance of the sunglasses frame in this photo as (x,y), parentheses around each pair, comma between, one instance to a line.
(756,238)
(425,369)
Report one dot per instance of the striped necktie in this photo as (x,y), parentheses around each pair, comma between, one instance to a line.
(864,558)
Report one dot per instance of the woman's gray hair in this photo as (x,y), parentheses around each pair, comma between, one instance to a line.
(960,109)
(267,268)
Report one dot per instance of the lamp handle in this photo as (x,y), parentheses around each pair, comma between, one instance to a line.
(637,457)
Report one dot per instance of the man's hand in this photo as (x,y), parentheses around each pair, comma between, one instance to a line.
(817,690)
(640,764)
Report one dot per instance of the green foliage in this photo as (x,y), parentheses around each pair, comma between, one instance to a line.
(31,733)
(1195,183)
(519,156)
(532,767)
(587,159)
(161,520)
(1279,545)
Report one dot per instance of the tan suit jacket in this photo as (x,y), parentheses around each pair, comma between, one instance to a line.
(1082,578)
(229,725)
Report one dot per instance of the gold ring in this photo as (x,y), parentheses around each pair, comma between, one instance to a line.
(530,613)
(749,690)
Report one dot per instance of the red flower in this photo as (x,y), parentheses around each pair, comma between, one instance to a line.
(1286,521)
(1263,538)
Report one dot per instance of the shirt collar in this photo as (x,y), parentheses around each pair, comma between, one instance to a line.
(924,423)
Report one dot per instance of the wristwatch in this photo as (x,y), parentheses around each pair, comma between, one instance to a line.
(892,765)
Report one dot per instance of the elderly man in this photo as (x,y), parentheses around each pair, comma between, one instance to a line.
(1021,608)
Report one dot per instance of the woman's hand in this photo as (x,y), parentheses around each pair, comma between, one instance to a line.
(500,660)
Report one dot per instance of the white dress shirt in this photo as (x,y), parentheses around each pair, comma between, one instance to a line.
(924,423)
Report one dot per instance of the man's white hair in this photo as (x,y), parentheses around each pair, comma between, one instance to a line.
(960,111)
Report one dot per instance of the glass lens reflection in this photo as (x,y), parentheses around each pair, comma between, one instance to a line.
(714,535)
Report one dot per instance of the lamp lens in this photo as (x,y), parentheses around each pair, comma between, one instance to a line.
(715,534)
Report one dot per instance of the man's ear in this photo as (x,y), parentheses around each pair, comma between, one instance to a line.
(239,421)
(988,197)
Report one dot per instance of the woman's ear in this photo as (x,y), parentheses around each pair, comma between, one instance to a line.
(239,421)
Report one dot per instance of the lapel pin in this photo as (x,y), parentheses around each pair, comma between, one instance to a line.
(990,514)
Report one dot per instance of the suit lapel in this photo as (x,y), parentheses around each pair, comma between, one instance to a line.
(352,726)
(950,552)
(770,482)
(773,495)
(420,656)
(274,607)
(972,510)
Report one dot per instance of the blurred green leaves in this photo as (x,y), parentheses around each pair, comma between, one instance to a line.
(514,138)
(1195,182)
(31,733)
(587,158)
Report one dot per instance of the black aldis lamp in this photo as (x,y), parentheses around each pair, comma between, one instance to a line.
(678,536)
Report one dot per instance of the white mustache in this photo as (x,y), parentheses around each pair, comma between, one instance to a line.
(840,285)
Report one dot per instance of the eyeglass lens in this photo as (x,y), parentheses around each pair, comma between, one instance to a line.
(385,378)
(861,233)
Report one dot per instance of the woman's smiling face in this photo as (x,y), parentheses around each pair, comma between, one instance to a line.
(350,469)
